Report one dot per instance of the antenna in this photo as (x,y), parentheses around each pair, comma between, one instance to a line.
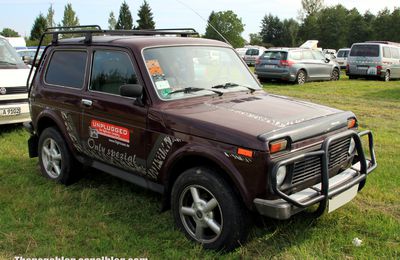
(201,17)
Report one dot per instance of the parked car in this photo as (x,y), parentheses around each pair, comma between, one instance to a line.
(13,92)
(28,54)
(296,65)
(341,58)
(252,54)
(374,59)
(241,51)
(162,113)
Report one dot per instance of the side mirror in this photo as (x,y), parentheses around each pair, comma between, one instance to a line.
(27,60)
(131,90)
(327,60)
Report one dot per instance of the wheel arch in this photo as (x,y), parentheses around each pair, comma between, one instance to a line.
(185,160)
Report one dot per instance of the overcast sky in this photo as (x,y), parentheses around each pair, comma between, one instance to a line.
(20,14)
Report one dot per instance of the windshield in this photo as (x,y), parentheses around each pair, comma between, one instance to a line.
(365,50)
(8,56)
(188,71)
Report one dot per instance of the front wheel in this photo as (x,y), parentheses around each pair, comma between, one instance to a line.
(205,208)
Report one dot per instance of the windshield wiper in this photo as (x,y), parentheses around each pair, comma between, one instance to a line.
(232,85)
(190,90)
(7,62)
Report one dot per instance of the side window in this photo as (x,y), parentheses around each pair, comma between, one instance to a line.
(67,68)
(395,53)
(110,70)
(386,52)
(295,55)
(318,55)
(307,55)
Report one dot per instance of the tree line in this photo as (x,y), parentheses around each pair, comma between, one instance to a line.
(124,22)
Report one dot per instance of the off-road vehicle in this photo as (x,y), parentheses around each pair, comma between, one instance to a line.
(185,117)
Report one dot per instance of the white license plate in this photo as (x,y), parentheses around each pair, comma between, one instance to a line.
(362,67)
(11,111)
(342,198)
(269,66)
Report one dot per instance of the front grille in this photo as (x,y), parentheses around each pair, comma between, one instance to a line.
(311,167)
(15,90)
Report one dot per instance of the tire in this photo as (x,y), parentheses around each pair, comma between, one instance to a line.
(386,76)
(335,75)
(55,159)
(301,77)
(218,220)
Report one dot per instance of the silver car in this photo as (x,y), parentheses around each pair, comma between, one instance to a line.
(296,65)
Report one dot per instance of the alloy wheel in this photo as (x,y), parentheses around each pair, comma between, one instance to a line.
(51,158)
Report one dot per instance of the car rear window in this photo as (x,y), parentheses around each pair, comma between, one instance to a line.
(365,50)
(252,52)
(343,54)
(275,55)
(67,68)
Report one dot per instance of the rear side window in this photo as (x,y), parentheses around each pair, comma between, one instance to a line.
(275,55)
(307,55)
(111,70)
(67,68)
(386,52)
(295,55)
(395,53)
(365,50)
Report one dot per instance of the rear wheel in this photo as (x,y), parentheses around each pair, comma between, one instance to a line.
(335,75)
(301,77)
(55,160)
(387,76)
(207,211)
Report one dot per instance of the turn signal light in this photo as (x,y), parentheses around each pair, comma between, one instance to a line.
(245,152)
(351,123)
(277,146)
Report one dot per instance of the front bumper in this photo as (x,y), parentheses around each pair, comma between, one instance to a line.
(328,188)
(24,116)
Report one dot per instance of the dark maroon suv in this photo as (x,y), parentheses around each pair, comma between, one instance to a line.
(185,117)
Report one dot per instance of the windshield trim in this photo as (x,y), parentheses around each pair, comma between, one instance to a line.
(191,45)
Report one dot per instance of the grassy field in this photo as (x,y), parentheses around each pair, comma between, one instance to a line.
(104,216)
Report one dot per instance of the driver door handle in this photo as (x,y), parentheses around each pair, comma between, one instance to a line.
(87,102)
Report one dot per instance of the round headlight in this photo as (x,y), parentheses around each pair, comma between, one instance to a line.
(352,146)
(280,175)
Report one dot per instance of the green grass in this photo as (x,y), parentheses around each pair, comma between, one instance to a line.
(101,215)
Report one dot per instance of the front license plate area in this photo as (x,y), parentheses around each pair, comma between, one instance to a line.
(10,111)
(342,198)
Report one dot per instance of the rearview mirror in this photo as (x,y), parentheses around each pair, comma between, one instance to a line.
(131,90)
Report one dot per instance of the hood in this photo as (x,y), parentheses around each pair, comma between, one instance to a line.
(13,77)
(248,119)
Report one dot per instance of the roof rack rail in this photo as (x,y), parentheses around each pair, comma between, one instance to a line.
(89,30)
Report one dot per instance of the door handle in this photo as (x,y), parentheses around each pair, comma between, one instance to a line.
(87,102)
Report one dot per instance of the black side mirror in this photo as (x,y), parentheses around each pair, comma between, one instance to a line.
(131,90)
(327,60)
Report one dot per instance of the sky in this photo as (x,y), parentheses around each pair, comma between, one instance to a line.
(20,14)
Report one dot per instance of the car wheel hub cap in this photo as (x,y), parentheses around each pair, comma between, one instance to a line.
(51,158)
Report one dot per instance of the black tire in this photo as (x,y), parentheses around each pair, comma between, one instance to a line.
(335,75)
(56,161)
(301,77)
(224,225)
(386,77)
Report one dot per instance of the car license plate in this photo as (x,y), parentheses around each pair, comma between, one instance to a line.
(342,198)
(11,111)
(269,66)
(362,67)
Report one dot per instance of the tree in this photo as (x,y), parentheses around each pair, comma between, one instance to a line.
(145,17)
(333,28)
(124,18)
(255,39)
(228,24)
(311,7)
(111,21)
(8,32)
(70,18)
(272,30)
(50,17)
(38,28)
(290,30)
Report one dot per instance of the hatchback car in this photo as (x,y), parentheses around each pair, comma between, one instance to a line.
(252,54)
(296,65)
(341,58)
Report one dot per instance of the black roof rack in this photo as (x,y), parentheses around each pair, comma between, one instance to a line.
(89,30)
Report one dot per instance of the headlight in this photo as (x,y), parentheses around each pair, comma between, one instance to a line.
(352,146)
(280,175)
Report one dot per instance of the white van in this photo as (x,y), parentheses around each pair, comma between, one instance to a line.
(14,106)
(341,57)
(379,59)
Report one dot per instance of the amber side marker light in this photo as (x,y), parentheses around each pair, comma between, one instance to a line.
(245,152)
(352,122)
(277,146)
